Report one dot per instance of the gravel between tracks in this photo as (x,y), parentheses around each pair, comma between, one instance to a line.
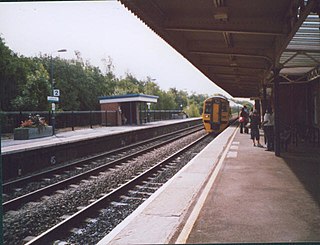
(36,217)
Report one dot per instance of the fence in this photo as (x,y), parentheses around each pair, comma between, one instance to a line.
(160,115)
(63,119)
(72,119)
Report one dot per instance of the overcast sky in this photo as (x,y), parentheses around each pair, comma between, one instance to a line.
(99,30)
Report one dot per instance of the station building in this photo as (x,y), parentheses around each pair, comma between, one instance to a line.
(128,109)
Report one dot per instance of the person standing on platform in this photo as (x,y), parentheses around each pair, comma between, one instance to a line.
(254,125)
(268,123)
(244,119)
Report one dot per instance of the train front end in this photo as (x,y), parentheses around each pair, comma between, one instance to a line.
(215,116)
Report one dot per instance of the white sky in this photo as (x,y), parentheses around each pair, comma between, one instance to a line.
(98,30)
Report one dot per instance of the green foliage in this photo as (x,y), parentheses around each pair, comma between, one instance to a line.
(193,110)
(128,85)
(33,94)
(26,83)
(11,75)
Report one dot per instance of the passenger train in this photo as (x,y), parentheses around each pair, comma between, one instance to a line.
(216,114)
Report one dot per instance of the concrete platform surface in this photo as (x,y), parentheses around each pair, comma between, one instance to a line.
(11,146)
(157,219)
(232,192)
(259,197)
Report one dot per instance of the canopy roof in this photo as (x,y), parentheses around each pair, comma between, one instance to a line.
(128,98)
(237,44)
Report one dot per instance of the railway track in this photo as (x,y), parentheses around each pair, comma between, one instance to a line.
(136,190)
(35,217)
(61,177)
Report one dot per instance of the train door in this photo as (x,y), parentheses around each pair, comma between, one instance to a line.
(216,113)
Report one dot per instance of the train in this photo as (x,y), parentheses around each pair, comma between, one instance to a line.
(216,114)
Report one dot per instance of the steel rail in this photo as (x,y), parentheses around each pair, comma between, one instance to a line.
(35,195)
(43,174)
(65,226)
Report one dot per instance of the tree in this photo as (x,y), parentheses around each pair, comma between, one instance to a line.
(197,100)
(165,101)
(192,110)
(33,93)
(128,85)
(12,73)
(25,84)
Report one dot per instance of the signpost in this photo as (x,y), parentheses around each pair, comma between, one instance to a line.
(52,99)
(56,92)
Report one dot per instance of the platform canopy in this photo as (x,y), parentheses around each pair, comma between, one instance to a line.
(239,44)
(128,98)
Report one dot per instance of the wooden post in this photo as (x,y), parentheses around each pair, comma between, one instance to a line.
(276,86)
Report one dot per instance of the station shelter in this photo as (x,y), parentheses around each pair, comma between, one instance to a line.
(128,109)
(265,51)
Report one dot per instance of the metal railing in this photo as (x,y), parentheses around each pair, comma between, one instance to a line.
(70,120)
(63,119)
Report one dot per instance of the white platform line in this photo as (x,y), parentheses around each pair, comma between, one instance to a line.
(183,236)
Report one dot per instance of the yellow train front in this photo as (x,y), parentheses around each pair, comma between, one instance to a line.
(215,115)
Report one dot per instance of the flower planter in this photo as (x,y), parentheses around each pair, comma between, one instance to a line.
(32,133)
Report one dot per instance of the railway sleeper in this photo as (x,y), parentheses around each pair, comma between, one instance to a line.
(66,216)
(142,193)
(28,239)
(12,212)
(76,231)
(131,198)
(61,191)
(146,187)
(91,220)
(117,204)
(152,183)
(74,186)
(80,208)
(85,181)
(4,196)
(59,242)
(45,197)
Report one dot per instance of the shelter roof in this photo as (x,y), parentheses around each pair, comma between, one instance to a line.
(238,44)
(128,98)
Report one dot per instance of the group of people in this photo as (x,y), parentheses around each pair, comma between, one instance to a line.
(252,120)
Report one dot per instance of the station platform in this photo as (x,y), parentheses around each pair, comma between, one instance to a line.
(232,192)
(24,157)
(63,137)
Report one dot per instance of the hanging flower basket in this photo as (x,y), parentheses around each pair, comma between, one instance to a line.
(34,127)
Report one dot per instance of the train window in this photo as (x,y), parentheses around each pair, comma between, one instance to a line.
(224,107)
(208,108)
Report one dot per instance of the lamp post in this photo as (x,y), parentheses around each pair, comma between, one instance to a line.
(53,105)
